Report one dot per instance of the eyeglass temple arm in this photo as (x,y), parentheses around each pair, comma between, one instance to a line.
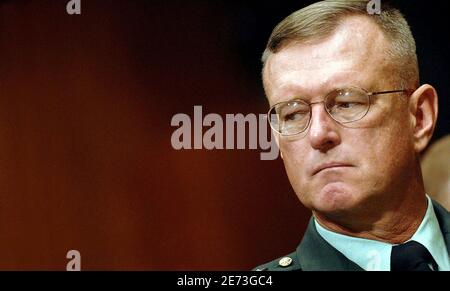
(393,91)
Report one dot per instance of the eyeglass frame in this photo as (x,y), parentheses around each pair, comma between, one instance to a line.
(369,95)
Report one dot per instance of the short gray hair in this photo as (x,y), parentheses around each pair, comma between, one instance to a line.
(319,20)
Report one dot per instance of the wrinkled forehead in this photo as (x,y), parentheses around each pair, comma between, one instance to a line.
(353,55)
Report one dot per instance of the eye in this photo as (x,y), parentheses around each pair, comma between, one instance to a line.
(348,100)
(295,116)
(347,105)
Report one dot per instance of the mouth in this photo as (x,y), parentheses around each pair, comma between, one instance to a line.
(333,165)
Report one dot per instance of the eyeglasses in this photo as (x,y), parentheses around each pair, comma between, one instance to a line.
(343,105)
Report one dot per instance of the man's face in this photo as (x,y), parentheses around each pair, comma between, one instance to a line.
(336,169)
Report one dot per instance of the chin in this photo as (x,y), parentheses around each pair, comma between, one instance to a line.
(334,198)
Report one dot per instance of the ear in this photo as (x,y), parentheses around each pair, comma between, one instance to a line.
(423,106)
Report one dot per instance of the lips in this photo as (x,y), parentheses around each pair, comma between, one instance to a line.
(329,166)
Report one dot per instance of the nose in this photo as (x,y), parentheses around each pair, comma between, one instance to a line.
(324,131)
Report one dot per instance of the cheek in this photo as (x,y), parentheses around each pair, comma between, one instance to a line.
(385,152)
(294,158)
(295,162)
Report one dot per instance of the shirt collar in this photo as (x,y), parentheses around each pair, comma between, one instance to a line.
(374,255)
(429,234)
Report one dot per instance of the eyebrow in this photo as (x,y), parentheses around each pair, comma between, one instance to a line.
(335,82)
(302,97)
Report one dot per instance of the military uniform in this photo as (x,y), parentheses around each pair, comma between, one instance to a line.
(316,254)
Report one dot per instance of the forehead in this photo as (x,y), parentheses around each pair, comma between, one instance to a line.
(353,55)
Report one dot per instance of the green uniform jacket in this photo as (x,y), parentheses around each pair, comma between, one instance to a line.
(315,254)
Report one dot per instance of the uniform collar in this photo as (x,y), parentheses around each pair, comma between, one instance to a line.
(316,254)
(375,255)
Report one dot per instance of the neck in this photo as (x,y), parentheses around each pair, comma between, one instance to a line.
(394,224)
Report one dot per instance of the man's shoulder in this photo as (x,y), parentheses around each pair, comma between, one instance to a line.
(289,262)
